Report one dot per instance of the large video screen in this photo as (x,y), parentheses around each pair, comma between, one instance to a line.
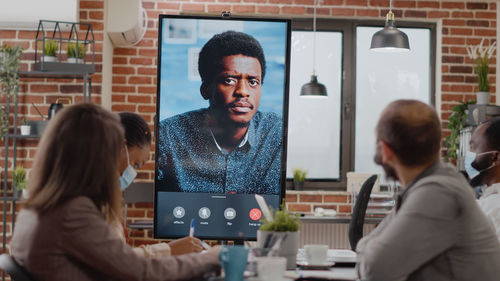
(222,105)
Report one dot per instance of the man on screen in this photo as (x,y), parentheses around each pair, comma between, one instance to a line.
(229,147)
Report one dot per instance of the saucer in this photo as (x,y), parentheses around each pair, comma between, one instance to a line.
(305,264)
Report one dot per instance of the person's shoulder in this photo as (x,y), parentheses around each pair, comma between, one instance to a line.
(267,119)
(78,205)
(183,119)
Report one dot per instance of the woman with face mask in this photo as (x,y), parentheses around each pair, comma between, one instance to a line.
(135,153)
(63,231)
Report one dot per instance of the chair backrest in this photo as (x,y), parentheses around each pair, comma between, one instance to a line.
(359,211)
(11,267)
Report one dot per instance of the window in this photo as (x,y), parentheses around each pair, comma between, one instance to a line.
(331,136)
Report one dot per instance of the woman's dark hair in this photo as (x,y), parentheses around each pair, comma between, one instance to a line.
(137,131)
(78,155)
(227,44)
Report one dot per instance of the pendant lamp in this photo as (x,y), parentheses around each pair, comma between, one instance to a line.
(313,88)
(390,39)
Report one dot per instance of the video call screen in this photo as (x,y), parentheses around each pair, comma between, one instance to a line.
(222,105)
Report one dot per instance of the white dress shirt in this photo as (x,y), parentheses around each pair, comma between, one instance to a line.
(490,204)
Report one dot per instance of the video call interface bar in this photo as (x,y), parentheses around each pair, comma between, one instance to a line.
(232,216)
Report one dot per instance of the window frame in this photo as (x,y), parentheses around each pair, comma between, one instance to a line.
(348,29)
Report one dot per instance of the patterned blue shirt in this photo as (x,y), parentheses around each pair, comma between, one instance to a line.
(189,159)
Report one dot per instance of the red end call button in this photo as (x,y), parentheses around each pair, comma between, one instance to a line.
(255,214)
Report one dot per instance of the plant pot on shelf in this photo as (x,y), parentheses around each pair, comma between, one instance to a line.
(25,193)
(75,60)
(25,130)
(288,247)
(49,59)
(298,185)
(483,97)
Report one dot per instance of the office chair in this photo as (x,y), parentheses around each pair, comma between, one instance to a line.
(138,192)
(359,211)
(11,267)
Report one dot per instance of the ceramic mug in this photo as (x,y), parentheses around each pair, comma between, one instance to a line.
(234,261)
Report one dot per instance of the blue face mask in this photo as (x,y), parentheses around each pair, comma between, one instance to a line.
(470,157)
(128,175)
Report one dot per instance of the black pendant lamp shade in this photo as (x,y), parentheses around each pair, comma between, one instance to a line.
(313,88)
(390,39)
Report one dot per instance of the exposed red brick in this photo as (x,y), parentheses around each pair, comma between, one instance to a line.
(310,198)
(147,70)
(462,14)
(363,3)
(141,61)
(71,89)
(452,78)
(460,69)
(96,15)
(233,1)
(125,51)
(123,89)
(377,3)
(139,80)
(218,8)
(453,40)
(41,88)
(486,15)
(91,4)
(148,5)
(453,5)
(345,209)
(439,15)
(461,88)
(366,13)
(483,23)
(117,98)
(123,70)
(299,207)
(139,99)
(119,60)
(485,32)
(404,4)
(119,79)
(477,6)
(428,4)
(193,7)
(280,1)
(342,12)
(268,9)
(293,10)
(460,31)
(335,198)
(147,90)
(291,198)
(168,6)
(415,14)
(243,8)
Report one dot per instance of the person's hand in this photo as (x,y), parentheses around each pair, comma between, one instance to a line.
(185,245)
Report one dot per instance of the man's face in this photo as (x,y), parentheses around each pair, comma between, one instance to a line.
(234,94)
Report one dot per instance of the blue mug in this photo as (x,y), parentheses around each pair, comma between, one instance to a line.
(234,261)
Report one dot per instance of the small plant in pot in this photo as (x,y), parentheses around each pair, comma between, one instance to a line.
(299,177)
(50,48)
(481,56)
(19,180)
(76,52)
(25,127)
(282,232)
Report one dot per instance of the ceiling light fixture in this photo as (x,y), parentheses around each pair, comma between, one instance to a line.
(313,88)
(390,39)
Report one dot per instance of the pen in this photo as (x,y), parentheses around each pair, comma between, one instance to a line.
(205,245)
(191,229)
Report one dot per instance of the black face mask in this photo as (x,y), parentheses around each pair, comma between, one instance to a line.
(390,173)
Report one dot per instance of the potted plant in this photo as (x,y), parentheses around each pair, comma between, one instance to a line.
(25,127)
(481,55)
(299,177)
(4,122)
(456,123)
(76,52)
(10,58)
(284,227)
(50,48)
(19,180)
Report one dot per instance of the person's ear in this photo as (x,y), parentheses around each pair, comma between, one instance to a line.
(205,93)
(387,152)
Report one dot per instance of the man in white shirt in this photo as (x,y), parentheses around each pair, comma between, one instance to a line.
(483,167)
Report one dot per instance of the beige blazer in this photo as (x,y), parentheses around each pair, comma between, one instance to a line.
(74,242)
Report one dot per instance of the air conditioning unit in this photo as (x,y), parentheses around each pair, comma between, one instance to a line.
(126,22)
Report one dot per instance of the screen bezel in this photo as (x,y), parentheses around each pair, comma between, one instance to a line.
(285,109)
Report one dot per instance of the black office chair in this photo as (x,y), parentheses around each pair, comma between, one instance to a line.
(11,267)
(359,211)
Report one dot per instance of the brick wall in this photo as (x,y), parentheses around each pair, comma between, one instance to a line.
(134,68)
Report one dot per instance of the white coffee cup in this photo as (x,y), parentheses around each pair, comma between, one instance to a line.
(316,254)
(271,268)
